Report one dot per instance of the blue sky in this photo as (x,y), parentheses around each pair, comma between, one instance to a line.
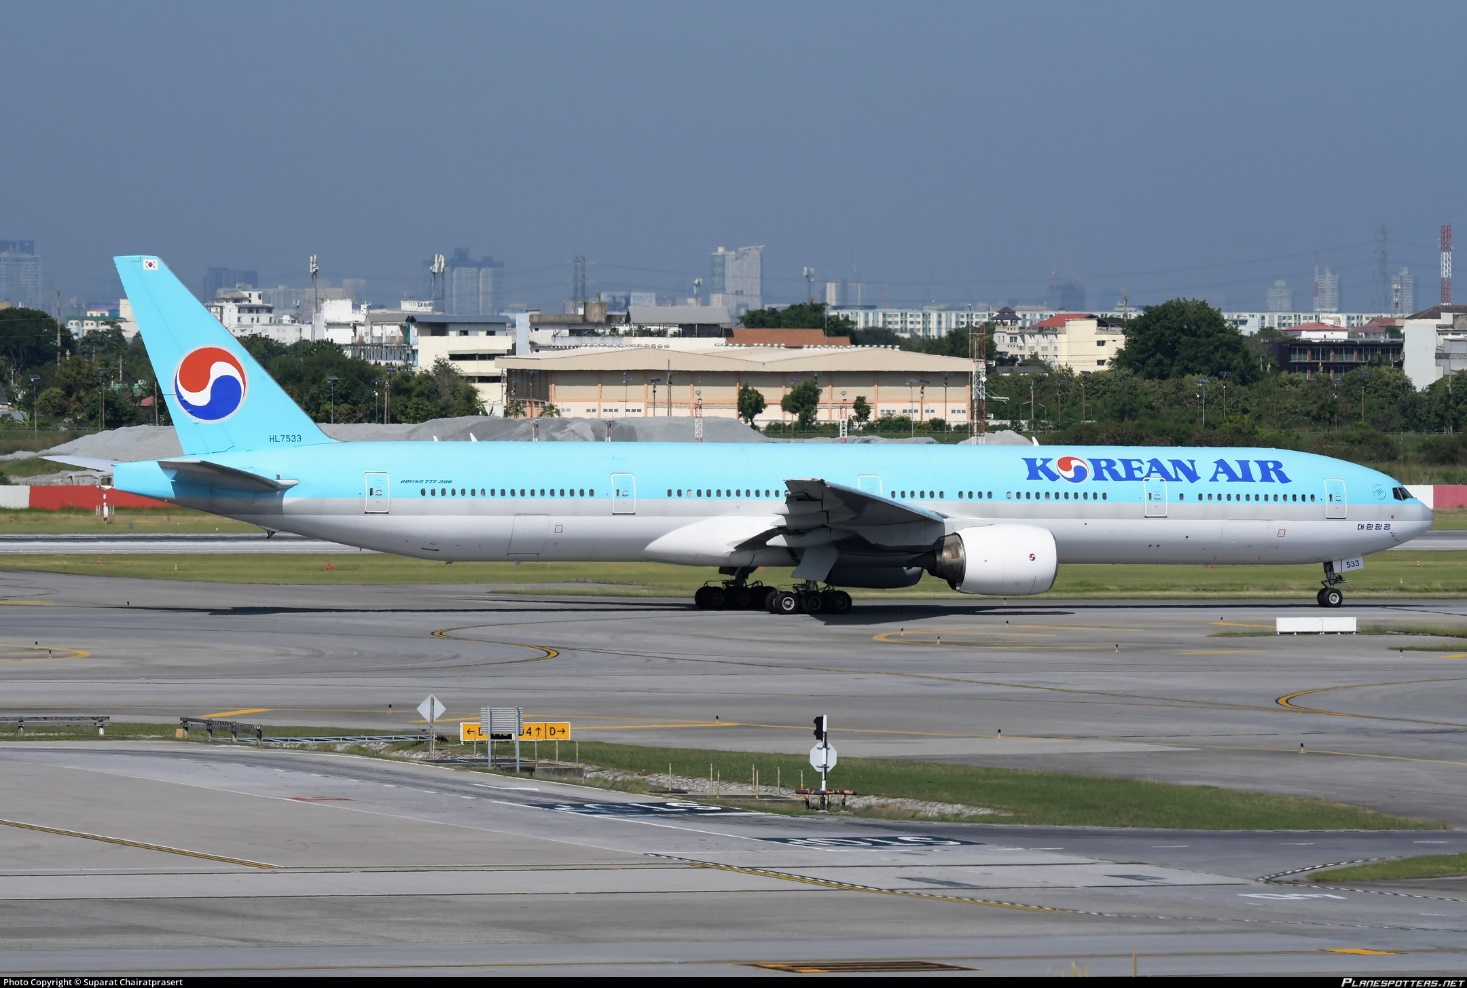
(953,152)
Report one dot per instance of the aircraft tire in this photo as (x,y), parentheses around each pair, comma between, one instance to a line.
(837,602)
(740,599)
(717,598)
(700,598)
(813,603)
(1331,597)
(784,602)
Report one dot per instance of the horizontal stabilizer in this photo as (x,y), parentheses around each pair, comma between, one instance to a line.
(85,462)
(228,478)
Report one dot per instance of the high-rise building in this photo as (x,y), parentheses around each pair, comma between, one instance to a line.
(471,287)
(1065,296)
(20,274)
(1280,297)
(1403,293)
(737,281)
(1326,290)
(218,280)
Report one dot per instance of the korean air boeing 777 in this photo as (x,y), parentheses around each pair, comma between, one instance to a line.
(987,519)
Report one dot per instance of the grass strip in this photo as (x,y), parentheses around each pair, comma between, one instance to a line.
(1425,866)
(1391,574)
(1019,796)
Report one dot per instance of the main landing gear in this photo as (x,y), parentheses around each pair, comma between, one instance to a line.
(736,595)
(810,599)
(1330,595)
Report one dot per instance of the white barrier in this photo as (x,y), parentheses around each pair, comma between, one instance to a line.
(15,496)
(1315,626)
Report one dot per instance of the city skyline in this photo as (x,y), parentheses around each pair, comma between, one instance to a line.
(1136,149)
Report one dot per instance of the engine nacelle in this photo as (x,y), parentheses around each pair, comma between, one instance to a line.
(998,560)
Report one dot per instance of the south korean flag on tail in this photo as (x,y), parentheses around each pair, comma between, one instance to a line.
(150,264)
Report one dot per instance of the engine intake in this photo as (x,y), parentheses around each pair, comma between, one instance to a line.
(998,560)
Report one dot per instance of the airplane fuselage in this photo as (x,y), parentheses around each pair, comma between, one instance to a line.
(627,501)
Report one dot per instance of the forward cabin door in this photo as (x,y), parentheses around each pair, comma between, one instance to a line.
(1334,499)
(378,499)
(870,483)
(1153,492)
(623,494)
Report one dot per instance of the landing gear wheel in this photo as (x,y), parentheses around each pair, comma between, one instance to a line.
(700,598)
(814,602)
(837,601)
(1331,597)
(717,598)
(763,599)
(784,602)
(740,599)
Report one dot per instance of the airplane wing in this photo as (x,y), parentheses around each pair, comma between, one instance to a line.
(817,503)
(227,478)
(823,522)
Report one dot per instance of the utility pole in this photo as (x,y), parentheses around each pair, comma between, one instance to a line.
(58,327)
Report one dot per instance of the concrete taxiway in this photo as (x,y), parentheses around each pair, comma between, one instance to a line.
(172,859)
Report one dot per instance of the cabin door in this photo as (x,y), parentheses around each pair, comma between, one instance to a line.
(378,499)
(870,483)
(623,494)
(1334,499)
(1153,491)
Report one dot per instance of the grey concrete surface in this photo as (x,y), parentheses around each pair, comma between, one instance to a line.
(164,858)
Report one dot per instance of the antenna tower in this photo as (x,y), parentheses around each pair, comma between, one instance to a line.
(578,279)
(1382,267)
(809,275)
(1446,264)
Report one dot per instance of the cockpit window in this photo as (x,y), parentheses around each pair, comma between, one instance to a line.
(1401,494)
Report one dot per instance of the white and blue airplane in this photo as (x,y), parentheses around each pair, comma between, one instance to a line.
(994,520)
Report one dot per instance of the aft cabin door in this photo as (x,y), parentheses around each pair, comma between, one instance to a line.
(378,499)
(1153,491)
(1334,499)
(623,494)
(870,483)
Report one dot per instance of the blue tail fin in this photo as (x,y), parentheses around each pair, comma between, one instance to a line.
(220,399)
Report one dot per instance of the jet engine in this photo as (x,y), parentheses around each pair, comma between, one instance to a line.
(999,560)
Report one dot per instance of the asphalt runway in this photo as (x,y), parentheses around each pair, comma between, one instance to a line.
(156,858)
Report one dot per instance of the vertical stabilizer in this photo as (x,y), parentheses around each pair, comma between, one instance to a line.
(220,399)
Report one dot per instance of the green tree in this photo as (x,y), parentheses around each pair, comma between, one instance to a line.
(803,402)
(801,315)
(751,403)
(1183,338)
(28,339)
(104,344)
(861,409)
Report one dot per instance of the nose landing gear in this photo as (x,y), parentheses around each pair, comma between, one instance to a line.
(1330,595)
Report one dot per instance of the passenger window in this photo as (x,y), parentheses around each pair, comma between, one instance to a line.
(423,491)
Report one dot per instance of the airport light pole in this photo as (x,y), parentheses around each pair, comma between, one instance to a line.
(1082,401)
(1202,394)
(35,406)
(1364,374)
(912,386)
(655,381)
(1226,375)
(332,379)
(101,402)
